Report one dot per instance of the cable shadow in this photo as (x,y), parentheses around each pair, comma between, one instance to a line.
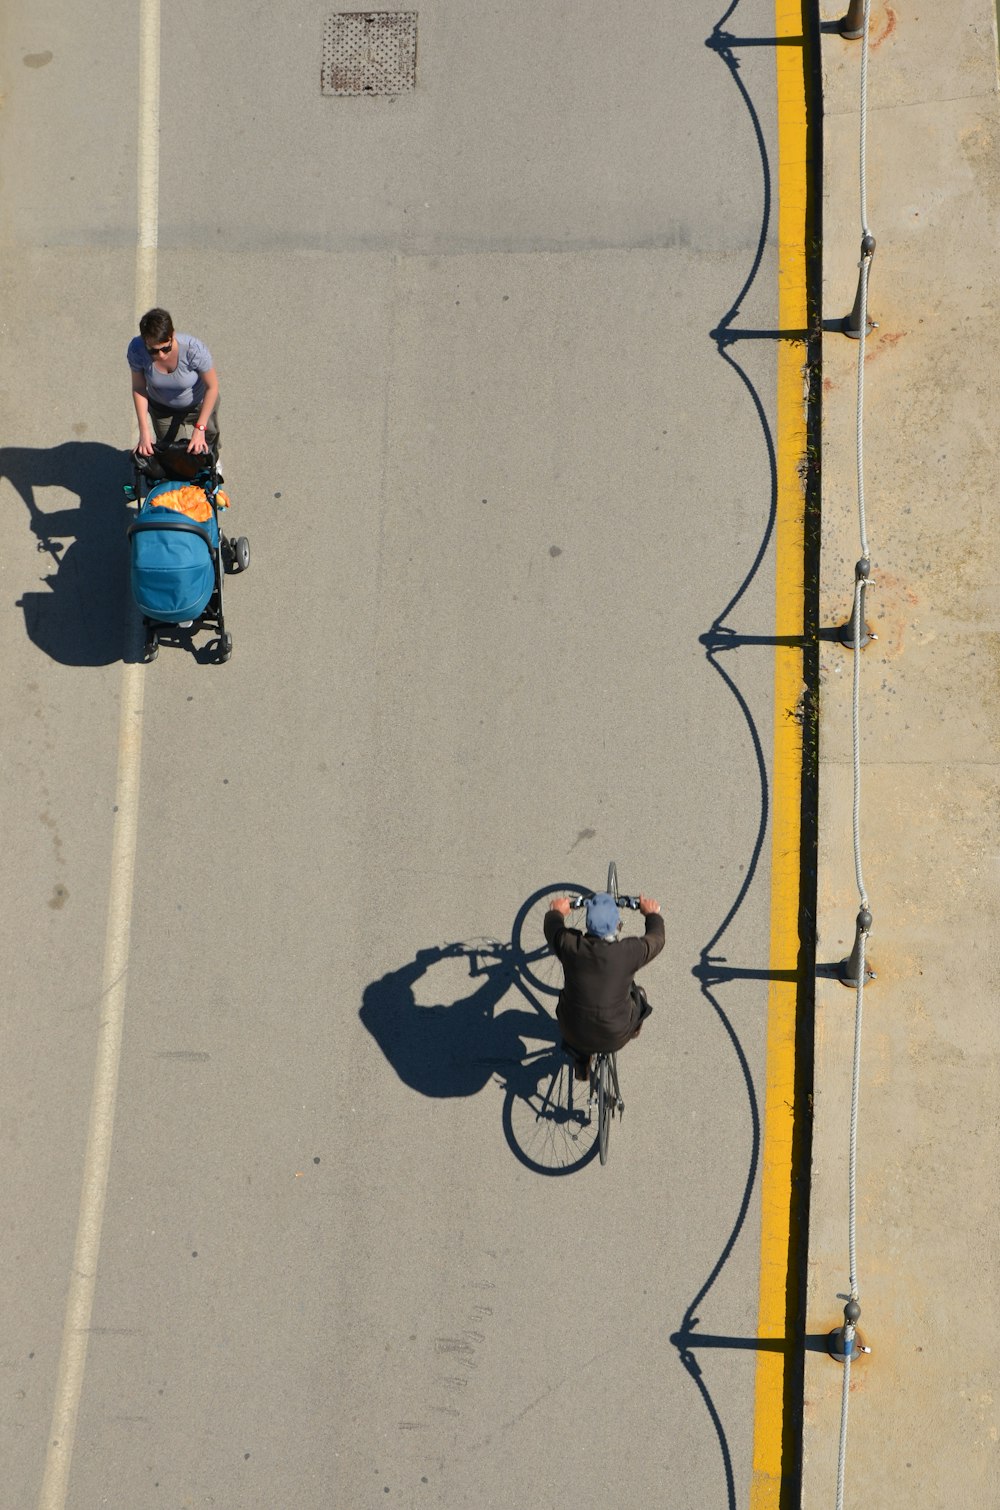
(80,617)
(712,970)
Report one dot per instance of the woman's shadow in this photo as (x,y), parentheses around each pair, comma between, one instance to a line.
(79,617)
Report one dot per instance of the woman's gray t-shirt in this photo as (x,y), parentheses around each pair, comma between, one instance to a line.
(181,389)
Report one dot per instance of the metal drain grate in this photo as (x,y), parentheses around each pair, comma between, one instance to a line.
(370,52)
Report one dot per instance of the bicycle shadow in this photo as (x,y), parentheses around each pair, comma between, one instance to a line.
(79,618)
(457,1044)
(449,1048)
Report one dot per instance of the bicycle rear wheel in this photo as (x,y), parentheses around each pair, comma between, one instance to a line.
(545,1116)
(604,1105)
(613,880)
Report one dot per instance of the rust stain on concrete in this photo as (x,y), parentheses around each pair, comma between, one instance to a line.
(885,341)
(893,601)
(887,25)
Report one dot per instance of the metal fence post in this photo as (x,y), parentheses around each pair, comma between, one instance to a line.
(848,969)
(852,325)
(845,1341)
(846,635)
(853,25)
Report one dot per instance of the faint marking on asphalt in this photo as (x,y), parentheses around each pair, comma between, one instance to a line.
(83,1278)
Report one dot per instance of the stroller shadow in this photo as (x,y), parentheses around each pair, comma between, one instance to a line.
(80,615)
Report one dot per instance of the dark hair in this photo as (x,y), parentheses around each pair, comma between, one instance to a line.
(156,325)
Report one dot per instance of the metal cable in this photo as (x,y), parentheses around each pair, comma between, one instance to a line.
(852,1182)
(865,264)
(845,1396)
(856,741)
(864,121)
(863,526)
(858,626)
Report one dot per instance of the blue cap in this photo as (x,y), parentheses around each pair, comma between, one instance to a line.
(602,915)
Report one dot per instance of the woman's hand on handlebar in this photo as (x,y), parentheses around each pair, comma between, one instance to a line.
(145,446)
(647,906)
(560,904)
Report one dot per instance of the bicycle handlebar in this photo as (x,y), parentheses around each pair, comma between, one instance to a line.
(629,903)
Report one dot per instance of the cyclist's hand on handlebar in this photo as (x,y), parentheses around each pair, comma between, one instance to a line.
(647,906)
(560,904)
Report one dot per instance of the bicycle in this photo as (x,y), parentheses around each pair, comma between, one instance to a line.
(604,1084)
(545,1116)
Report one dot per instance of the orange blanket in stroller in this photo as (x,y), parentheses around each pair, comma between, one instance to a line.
(191,500)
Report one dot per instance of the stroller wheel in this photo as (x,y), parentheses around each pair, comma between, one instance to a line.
(242,552)
(151,649)
(225,647)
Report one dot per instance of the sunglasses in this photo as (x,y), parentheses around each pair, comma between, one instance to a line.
(160,351)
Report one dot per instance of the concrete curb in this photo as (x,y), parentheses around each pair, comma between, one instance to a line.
(923,1423)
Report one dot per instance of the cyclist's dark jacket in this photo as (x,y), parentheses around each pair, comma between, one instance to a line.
(596,1009)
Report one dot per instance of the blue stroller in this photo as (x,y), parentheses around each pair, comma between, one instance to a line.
(179,555)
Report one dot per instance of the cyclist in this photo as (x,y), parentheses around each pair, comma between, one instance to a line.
(600,1006)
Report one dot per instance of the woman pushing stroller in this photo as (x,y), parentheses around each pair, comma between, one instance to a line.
(175,388)
(179,554)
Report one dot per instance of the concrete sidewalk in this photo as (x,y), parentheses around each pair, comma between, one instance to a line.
(923,1420)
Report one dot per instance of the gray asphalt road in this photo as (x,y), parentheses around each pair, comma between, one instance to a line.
(499,479)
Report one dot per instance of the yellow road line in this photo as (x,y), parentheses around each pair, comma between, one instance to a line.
(97,1159)
(786,786)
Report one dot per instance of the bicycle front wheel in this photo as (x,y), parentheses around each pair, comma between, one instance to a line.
(532,957)
(613,880)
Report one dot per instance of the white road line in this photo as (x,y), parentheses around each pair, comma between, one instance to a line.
(83,1278)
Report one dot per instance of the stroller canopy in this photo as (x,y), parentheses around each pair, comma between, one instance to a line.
(173,556)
